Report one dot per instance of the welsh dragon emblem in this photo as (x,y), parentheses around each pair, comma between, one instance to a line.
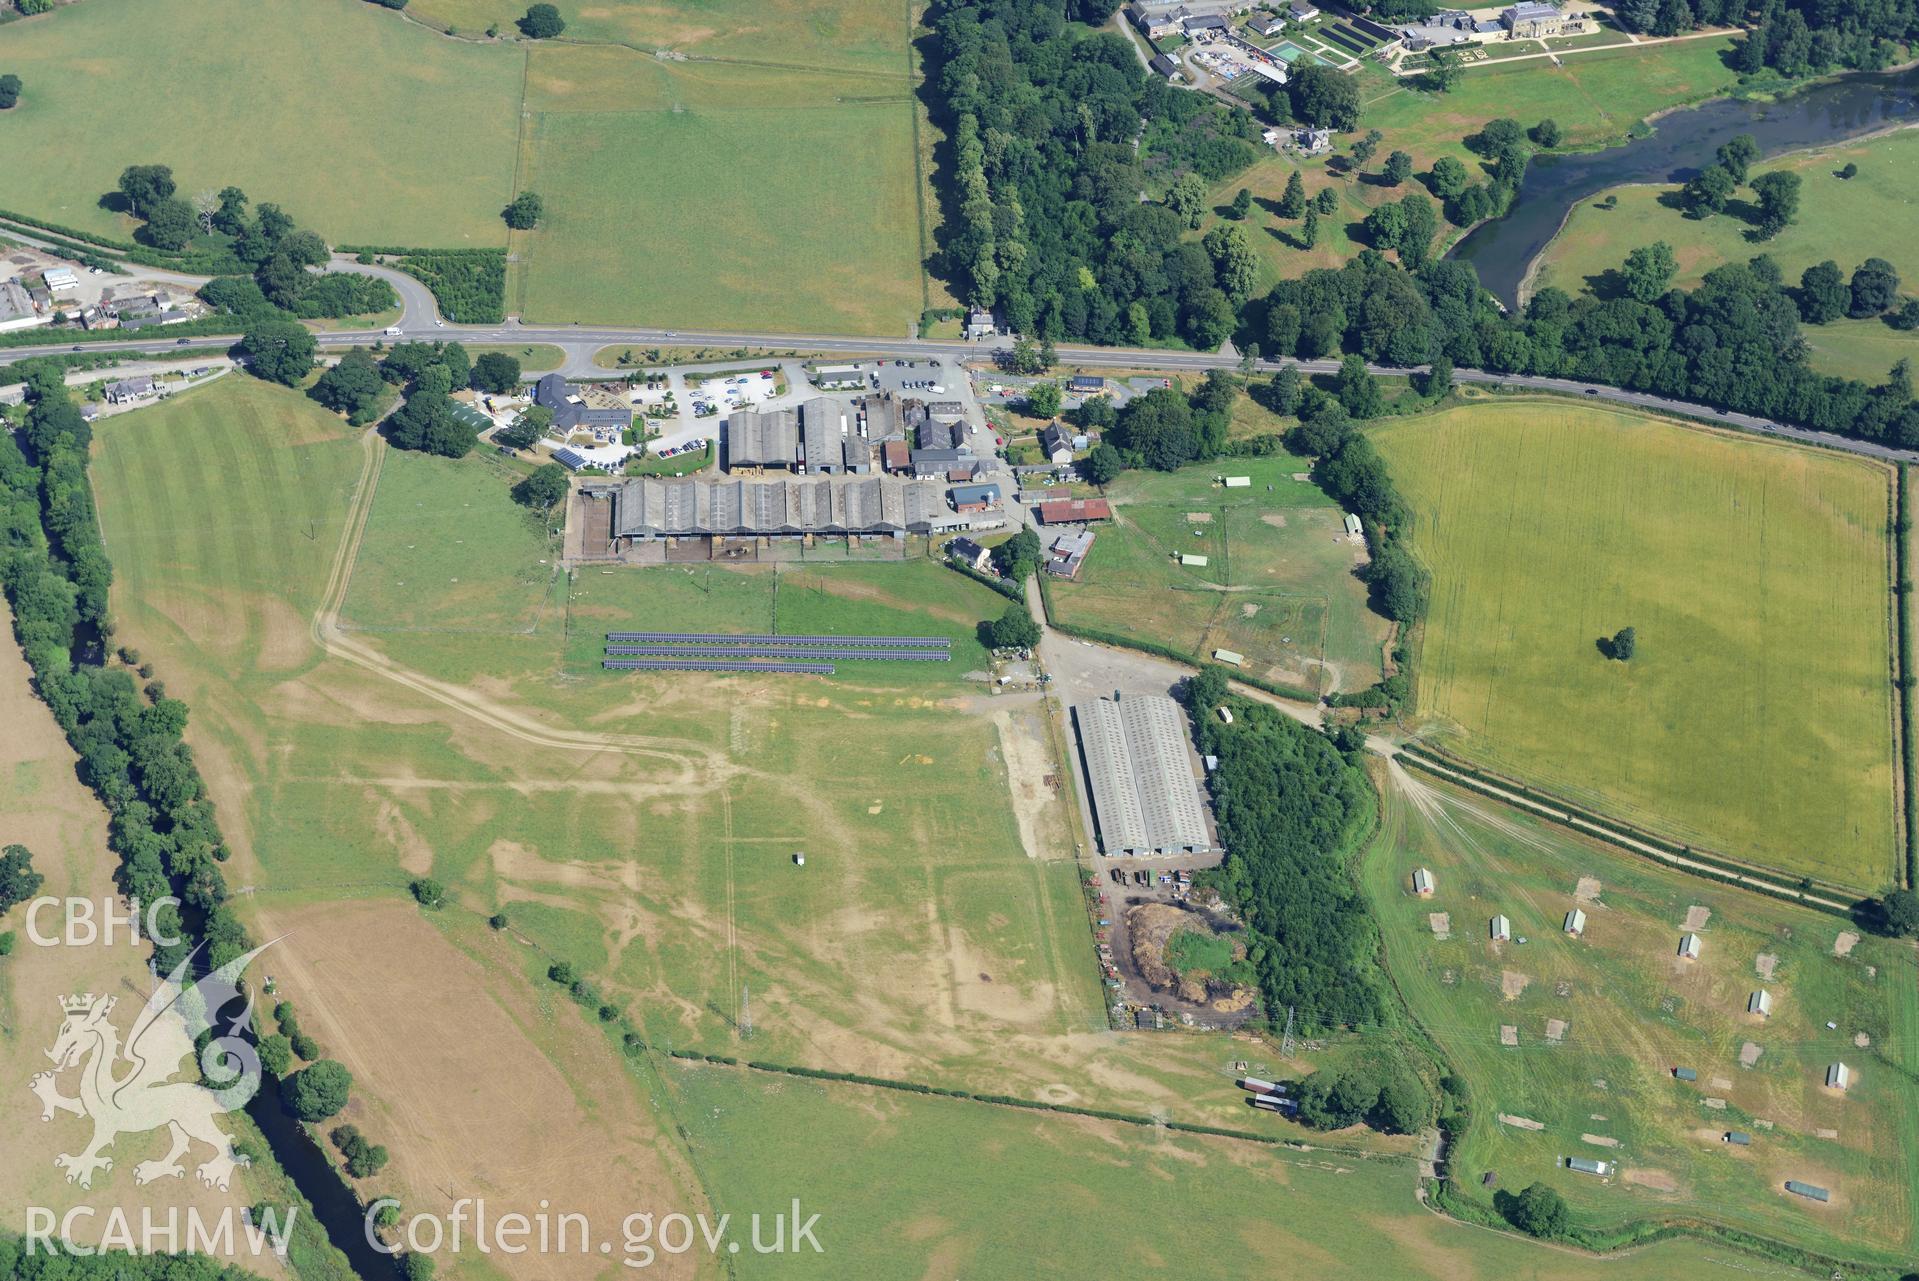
(130,1088)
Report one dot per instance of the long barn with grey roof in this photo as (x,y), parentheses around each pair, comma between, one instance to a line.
(650,507)
(1145,796)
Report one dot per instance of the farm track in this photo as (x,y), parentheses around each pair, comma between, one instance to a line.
(693,766)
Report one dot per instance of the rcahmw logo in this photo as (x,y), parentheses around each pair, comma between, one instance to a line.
(127,1086)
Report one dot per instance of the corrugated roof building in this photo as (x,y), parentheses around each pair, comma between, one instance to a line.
(1145,797)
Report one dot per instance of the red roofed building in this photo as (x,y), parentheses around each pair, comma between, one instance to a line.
(1074,511)
(896,457)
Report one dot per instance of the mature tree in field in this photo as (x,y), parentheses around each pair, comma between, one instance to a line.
(1103,465)
(1363,149)
(426,891)
(1292,202)
(1778,194)
(231,217)
(1907,317)
(1399,167)
(1309,230)
(279,351)
(1241,206)
(1327,202)
(1497,136)
(1443,76)
(1187,198)
(1449,177)
(171,224)
(1823,295)
(1043,399)
(542,22)
(1538,1211)
(1622,645)
(1235,265)
(1017,559)
(1875,288)
(1899,913)
(317,1091)
(1545,133)
(1158,428)
(1282,393)
(426,422)
(1849,171)
(1325,98)
(1707,191)
(144,186)
(1024,358)
(415,1266)
(9,91)
(1648,270)
(496,372)
(1737,155)
(525,212)
(18,881)
(353,387)
(1014,629)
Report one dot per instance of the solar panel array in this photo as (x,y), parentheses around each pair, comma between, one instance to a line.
(723,652)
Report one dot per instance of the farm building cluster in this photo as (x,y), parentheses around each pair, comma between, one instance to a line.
(1146,797)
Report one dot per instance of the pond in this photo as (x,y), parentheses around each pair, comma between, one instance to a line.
(1683,142)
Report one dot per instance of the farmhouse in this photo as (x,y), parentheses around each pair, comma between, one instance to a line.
(1423,882)
(1576,922)
(759,438)
(1502,929)
(128,390)
(1145,797)
(980,324)
(1530,20)
(1074,511)
(1067,552)
(649,507)
(1838,1076)
(1299,11)
(1690,947)
(974,498)
(970,554)
(1056,444)
(1267,24)
(1760,1003)
(570,410)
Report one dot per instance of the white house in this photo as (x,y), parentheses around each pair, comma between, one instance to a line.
(61,280)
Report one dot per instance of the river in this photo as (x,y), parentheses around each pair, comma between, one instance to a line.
(1682,143)
(334,1204)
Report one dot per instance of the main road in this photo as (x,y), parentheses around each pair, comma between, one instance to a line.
(420,321)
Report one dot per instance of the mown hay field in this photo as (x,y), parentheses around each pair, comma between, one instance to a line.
(770,199)
(1602,1020)
(1756,716)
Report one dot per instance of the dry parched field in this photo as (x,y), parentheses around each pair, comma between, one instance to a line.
(1756,716)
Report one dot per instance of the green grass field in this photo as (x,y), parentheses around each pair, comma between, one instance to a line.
(909,1186)
(716,194)
(1755,718)
(1844,220)
(1632,1012)
(309,104)
(1278,585)
(849,36)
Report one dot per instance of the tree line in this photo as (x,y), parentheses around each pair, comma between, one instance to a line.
(129,738)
